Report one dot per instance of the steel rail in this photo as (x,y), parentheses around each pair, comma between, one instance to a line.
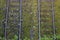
(20,22)
(53,21)
(6,19)
(39,19)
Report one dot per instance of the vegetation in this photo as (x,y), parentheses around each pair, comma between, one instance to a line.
(30,22)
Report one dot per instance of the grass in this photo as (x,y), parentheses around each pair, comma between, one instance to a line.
(42,38)
(57,17)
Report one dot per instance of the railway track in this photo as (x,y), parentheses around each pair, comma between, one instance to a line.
(13,17)
(46,12)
